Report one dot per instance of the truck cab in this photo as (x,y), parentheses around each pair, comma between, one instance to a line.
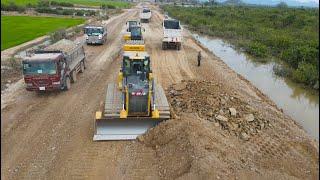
(172,34)
(145,15)
(95,34)
(55,67)
(44,70)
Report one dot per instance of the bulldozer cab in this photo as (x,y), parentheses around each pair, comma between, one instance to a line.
(135,72)
(136,65)
(131,23)
(136,33)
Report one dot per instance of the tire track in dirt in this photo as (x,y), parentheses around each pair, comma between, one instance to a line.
(169,66)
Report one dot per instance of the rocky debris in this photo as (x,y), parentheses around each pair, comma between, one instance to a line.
(232,111)
(244,136)
(140,138)
(222,118)
(211,102)
(180,86)
(216,124)
(249,117)
(5,67)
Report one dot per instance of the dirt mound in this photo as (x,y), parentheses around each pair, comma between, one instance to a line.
(211,102)
(216,135)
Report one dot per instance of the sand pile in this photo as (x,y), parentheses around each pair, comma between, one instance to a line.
(209,101)
(216,135)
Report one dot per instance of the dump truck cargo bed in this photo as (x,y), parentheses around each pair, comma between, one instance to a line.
(111,127)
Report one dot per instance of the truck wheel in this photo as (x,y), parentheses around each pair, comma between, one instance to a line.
(178,46)
(164,46)
(67,85)
(74,76)
(82,67)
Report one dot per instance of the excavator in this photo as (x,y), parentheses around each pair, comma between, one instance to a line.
(136,103)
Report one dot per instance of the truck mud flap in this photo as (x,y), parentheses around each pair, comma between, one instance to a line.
(122,129)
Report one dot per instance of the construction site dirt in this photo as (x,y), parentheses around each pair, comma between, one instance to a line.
(222,127)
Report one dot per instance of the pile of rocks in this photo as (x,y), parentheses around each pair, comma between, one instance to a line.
(213,103)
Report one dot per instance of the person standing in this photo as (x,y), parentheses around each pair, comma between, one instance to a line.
(199,58)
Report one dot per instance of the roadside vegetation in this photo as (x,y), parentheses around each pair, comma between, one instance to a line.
(67,3)
(16,30)
(289,35)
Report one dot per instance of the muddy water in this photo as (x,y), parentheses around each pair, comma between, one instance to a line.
(302,105)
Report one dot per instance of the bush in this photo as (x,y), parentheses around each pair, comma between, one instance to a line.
(257,49)
(303,53)
(306,73)
(281,70)
(29,5)
(67,12)
(47,10)
(64,4)
(90,13)
(58,35)
(12,7)
(43,3)
(288,34)
(79,13)
(110,6)
(15,64)
(77,29)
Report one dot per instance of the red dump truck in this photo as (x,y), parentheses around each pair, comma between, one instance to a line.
(55,67)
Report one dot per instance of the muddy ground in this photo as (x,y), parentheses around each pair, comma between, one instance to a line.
(49,136)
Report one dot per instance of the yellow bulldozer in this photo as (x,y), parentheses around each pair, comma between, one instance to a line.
(136,103)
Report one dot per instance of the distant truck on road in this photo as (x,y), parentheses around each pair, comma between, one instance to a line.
(55,67)
(172,34)
(145,15)
(95,34)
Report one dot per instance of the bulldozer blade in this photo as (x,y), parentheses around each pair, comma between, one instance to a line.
(122,129)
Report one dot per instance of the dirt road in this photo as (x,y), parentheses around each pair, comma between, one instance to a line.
(49,136)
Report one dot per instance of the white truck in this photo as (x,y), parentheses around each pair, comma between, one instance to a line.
(172,34)
(145,15)
(95,34)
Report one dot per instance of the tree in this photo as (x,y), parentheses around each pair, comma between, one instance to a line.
(282,5)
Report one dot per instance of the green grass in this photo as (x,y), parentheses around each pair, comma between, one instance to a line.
(16,30)
(119,4)
(290,35)
(20,2)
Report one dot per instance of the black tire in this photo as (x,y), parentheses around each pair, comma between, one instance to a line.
(82,67)
(164,46)
(178,46)
(67,84)
(74,76)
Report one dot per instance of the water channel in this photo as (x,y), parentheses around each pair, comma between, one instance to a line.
(300,104)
